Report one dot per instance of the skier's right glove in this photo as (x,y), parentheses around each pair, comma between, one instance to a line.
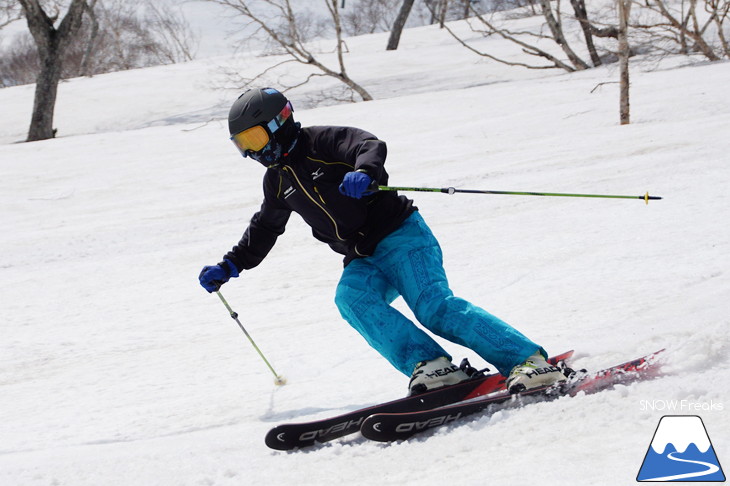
(213,276)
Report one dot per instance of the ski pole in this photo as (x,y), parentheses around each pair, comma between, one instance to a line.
(278,379)
(451,190)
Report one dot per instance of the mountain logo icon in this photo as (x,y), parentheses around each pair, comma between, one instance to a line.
(681,451)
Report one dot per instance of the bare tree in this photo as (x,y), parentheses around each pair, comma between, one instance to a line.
(115,35)
(138,34)
(19,64)
(52,43)
(719,10)
(443,10)
(88,50)
(368,16)
(590,30)
(174,39)
(556,29)
(287,35)
(554,22)
(127,42)
(9,12)
(399,24)
(581,14)
(524,40)
(624,11)
(685,24)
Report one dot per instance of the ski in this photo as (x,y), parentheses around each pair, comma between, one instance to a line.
(296,435)
(389,426)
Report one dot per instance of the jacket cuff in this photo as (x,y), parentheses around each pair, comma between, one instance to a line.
(230,268)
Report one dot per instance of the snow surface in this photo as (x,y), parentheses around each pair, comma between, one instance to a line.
(116,368)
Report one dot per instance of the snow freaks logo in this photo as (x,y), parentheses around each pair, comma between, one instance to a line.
(681,451)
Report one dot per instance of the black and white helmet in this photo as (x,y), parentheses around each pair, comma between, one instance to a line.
(262,126)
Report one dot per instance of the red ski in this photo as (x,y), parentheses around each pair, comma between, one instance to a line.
(387,427)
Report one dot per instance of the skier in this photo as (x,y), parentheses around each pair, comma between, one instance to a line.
(326,175)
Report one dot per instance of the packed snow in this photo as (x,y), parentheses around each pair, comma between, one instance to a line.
(117,368)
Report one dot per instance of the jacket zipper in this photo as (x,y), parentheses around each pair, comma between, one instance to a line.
(334,223)
(319,196)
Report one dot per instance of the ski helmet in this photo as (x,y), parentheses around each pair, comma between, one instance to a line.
(262,126)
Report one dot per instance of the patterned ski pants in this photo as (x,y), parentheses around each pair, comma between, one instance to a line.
(408,262)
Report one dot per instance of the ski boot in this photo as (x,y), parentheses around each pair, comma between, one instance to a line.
(437,373)
(533,373)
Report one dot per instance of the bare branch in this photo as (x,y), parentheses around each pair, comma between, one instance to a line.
(688,27)
(177,42)
(526,48)
(558,36)
(9,13)
(288,37)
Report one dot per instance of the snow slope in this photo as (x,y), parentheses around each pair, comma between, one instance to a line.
(116,368)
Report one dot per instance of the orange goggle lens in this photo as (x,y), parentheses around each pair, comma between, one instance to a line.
(253,139)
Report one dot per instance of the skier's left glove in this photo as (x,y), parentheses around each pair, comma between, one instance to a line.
(213,276)
(355,184)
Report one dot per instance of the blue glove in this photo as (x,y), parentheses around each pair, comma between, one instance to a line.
(355,184)
(213,276)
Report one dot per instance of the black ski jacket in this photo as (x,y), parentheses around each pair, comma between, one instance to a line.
(307,182)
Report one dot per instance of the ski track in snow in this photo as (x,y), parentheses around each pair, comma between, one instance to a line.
(117,369)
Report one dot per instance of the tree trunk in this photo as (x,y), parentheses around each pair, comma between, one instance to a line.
(624,7)
(51,44)
(400,22)
(89,50)
(342,75)
(442,13)
(44,102)
(557,31)
(579,7)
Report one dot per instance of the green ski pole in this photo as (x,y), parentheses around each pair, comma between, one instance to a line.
(451,190)
(278,379)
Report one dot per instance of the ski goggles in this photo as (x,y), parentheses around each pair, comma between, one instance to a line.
(257,137)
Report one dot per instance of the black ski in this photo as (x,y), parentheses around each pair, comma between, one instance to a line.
(290,436)
(391,426)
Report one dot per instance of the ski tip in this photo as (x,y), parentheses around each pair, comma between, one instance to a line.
(656,355)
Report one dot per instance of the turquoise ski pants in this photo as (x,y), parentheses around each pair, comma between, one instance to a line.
(408,262)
